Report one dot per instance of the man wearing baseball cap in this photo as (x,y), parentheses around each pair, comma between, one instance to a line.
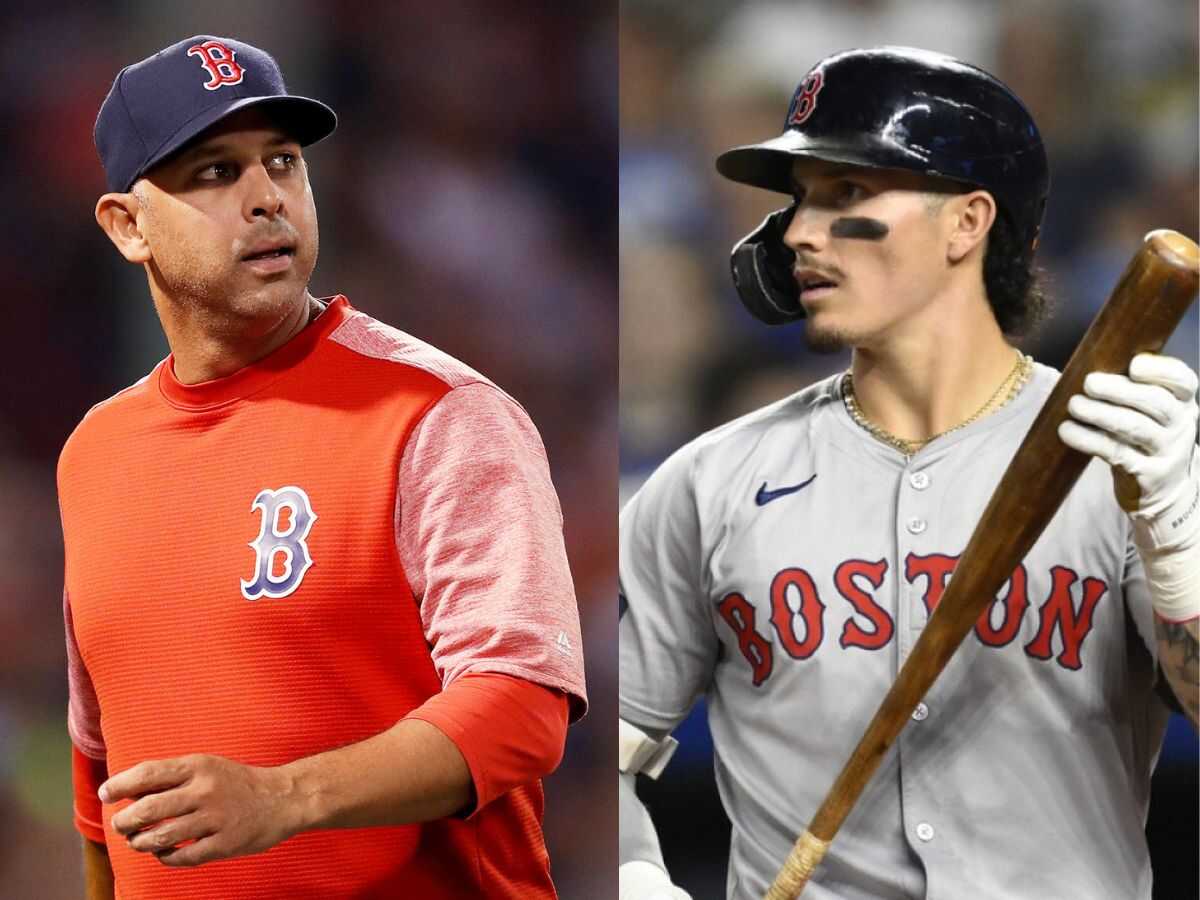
(319,619)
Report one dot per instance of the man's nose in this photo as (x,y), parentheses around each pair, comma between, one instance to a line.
(264,199)
(808,230)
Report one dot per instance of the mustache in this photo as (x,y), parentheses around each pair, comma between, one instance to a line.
(281,233)
(802,264)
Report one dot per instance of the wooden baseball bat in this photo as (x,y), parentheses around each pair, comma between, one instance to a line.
(1154,292)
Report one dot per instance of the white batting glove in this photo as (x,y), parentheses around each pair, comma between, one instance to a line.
(642,880)
(1145,424)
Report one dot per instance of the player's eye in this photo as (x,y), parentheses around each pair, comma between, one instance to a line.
(283,161)
(218,171)
(847,193)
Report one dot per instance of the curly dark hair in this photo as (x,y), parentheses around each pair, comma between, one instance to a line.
(1014,284)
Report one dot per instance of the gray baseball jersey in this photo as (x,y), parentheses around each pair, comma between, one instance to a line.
(783,566)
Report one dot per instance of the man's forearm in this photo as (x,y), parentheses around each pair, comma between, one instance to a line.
(1172,569)
(190,810)
(97,872)
(1179,656)
(642,874)
(410,773)
(638,840)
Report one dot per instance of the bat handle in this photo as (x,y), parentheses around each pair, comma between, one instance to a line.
(805,856)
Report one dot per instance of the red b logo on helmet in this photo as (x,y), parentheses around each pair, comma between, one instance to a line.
(217,60)
(806,99)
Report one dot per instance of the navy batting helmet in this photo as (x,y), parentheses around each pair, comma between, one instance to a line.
(890,108)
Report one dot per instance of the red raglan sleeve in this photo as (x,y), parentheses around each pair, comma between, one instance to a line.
(480,536)
(479,532)
(88,754)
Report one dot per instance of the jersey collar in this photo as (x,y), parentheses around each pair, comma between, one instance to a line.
(254,377)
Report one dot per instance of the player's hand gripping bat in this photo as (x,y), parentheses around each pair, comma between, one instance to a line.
(1154,292)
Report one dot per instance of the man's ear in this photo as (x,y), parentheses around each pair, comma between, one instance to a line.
(117,215)
(974,214)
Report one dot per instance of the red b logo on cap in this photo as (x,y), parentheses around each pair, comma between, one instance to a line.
(806,99)
(217,60)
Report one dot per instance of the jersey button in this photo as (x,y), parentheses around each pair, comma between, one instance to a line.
(925,831)
(916,526)
(921,713)
(919,480)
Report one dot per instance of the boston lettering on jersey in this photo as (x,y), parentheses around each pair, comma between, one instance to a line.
(801,631)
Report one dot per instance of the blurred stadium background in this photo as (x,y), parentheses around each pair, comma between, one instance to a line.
(1113,86)
(468,197)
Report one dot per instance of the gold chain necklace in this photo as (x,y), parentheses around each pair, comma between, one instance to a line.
(1014,381)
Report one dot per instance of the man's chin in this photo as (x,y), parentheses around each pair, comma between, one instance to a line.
(262,301)
(825,341)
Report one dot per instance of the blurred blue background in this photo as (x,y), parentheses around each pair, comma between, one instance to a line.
(468,197)
(1113,87)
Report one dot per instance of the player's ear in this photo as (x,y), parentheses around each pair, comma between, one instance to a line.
(117,215)
(972,216)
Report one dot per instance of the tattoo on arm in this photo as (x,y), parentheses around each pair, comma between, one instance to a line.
(1179,653)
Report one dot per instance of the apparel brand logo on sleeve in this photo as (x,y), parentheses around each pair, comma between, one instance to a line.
(562,643)
(288,546)
(218,61)
(764,496)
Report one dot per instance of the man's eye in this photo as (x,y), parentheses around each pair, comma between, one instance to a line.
(215,172)
(848,192)
(283,161)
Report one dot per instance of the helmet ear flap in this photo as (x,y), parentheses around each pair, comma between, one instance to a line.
(762,271)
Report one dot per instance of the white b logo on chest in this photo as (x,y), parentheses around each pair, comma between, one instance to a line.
(290,544)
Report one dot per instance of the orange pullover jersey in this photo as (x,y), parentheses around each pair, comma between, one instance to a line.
(292,559)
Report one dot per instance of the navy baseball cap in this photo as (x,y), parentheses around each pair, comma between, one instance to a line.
(159,104)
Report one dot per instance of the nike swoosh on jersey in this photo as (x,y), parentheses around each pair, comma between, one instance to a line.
(763,497)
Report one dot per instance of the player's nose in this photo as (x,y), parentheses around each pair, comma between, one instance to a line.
(263,197)
(808,231)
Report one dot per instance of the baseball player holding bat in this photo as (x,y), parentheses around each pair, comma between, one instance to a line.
(784,564)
